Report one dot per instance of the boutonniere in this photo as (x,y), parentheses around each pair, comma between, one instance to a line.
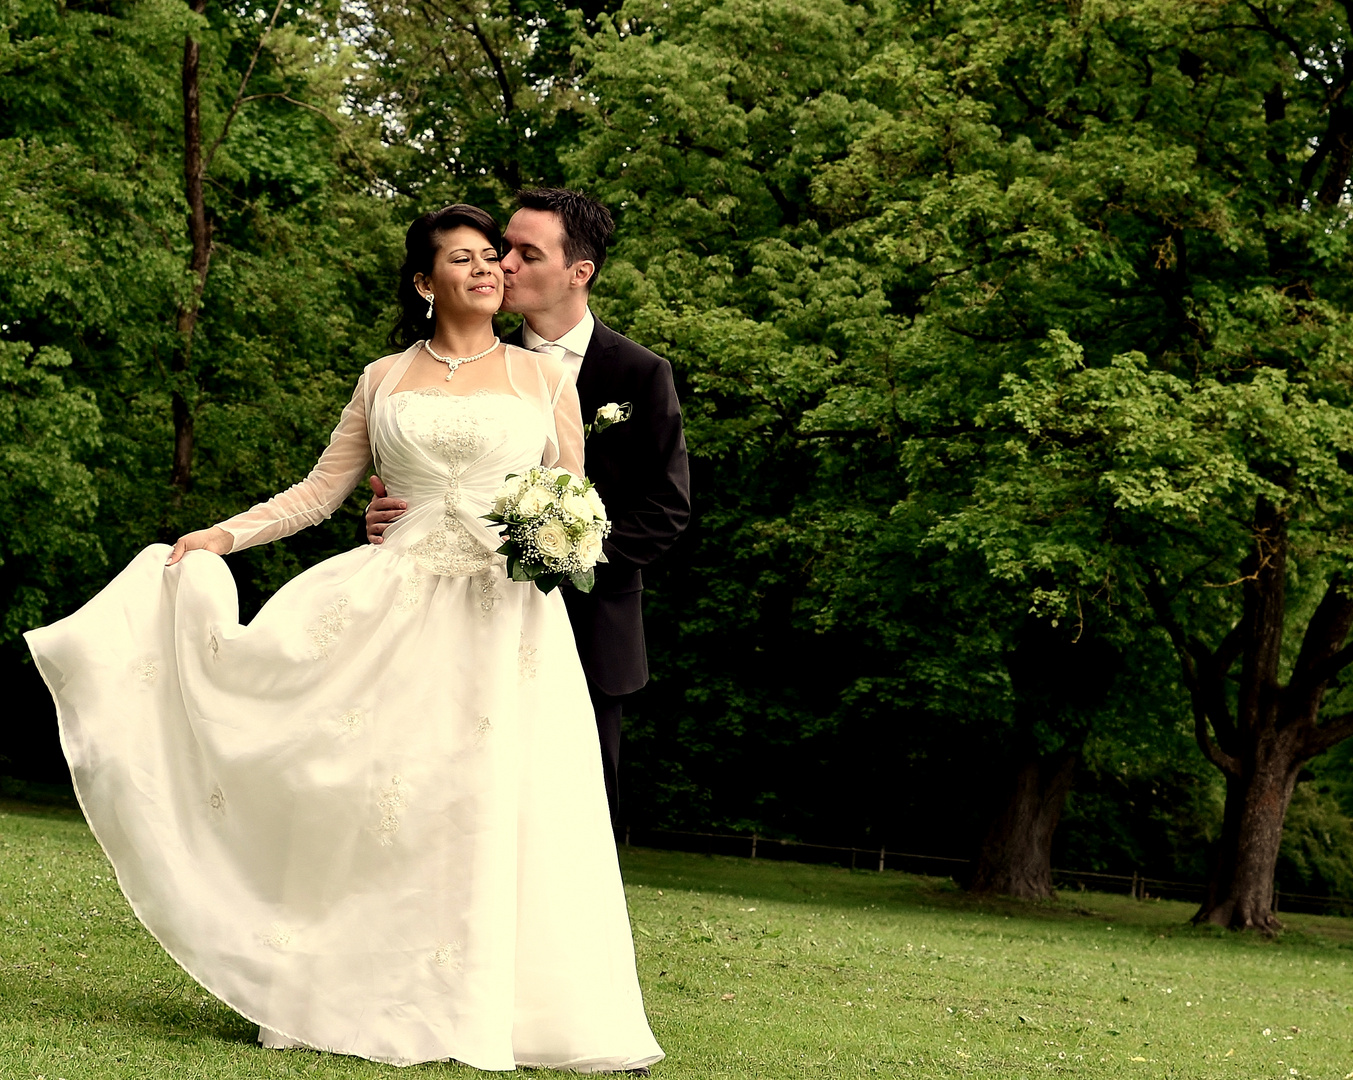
(607,414)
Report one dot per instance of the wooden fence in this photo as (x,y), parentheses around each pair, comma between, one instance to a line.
(755,846)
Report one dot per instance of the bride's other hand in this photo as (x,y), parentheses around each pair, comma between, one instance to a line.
(381,511)
(215,539)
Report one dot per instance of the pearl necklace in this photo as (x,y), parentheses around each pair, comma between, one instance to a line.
(454,362)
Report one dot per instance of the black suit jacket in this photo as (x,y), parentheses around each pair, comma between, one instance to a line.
(640,470)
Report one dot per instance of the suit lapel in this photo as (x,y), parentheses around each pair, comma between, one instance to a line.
(595,375)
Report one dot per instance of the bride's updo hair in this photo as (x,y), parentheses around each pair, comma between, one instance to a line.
(420,247)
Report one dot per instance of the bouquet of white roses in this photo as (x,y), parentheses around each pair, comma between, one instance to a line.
(553,524)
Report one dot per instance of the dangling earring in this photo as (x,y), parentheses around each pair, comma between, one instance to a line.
(429,314)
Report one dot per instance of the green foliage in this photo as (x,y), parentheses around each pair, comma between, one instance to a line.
(93,260)
(1144,801)
(1317,850)
(49,433)
(475,98)
(1166,470)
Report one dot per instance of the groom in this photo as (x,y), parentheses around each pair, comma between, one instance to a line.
(556,245)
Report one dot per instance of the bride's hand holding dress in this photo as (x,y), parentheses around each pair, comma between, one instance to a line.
(216,540)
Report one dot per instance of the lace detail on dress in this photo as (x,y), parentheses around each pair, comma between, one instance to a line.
(449,955)
(482,730)
(451,430)
(391,800)
(526,661)
(351,722)
(216,800)
(449,550)
(411,589)
(455,435)
(147,671)
(488,589)
(278,936)
(330,625)
(401,398)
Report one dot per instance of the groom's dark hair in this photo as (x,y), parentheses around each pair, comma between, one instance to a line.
(588,225)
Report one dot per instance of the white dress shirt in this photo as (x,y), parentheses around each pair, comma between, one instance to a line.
(574,342)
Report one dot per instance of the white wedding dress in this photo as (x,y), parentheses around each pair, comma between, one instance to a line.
(373,820)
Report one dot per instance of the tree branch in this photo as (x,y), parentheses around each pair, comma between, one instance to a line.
(299,104)
(1323,653)
(509,102)
(1228,652)
(1339,137)
(1330,733)
(1155,595)
(1293,46)
(1213,682)
(239,94)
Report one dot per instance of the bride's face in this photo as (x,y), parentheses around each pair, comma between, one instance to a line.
(465,279)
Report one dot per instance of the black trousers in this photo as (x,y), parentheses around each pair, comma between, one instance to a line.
(608,710)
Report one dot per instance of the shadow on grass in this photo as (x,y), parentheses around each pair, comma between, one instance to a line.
(34,795)
(840,888)
(168,1013)
(37,800)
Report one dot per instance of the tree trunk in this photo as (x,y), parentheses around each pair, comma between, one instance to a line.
(199,234)
(1015,857)
(1240,886)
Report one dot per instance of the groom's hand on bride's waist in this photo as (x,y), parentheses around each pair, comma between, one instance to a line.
(381,511)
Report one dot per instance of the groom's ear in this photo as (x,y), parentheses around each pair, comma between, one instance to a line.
(582,273)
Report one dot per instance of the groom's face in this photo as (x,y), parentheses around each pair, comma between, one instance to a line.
(536,279)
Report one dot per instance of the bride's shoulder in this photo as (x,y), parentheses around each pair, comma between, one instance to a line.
(375,371)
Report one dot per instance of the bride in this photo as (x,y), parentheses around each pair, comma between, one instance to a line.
(373,820)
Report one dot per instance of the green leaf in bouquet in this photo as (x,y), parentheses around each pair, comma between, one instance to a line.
(583,580)
(548,582)
(509,549)
(534,571)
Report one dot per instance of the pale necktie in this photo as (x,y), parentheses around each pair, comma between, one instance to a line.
(551,348)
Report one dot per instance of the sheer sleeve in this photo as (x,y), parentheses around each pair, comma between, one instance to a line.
(568,425)
(337,473)
(549,385)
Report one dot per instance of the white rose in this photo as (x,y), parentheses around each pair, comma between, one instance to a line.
(594,501)
(552,540)
(610,412)
(589,550)
(536,501)
(508,493)
(578,506)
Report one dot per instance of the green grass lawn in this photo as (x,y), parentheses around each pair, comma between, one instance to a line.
(750,969)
